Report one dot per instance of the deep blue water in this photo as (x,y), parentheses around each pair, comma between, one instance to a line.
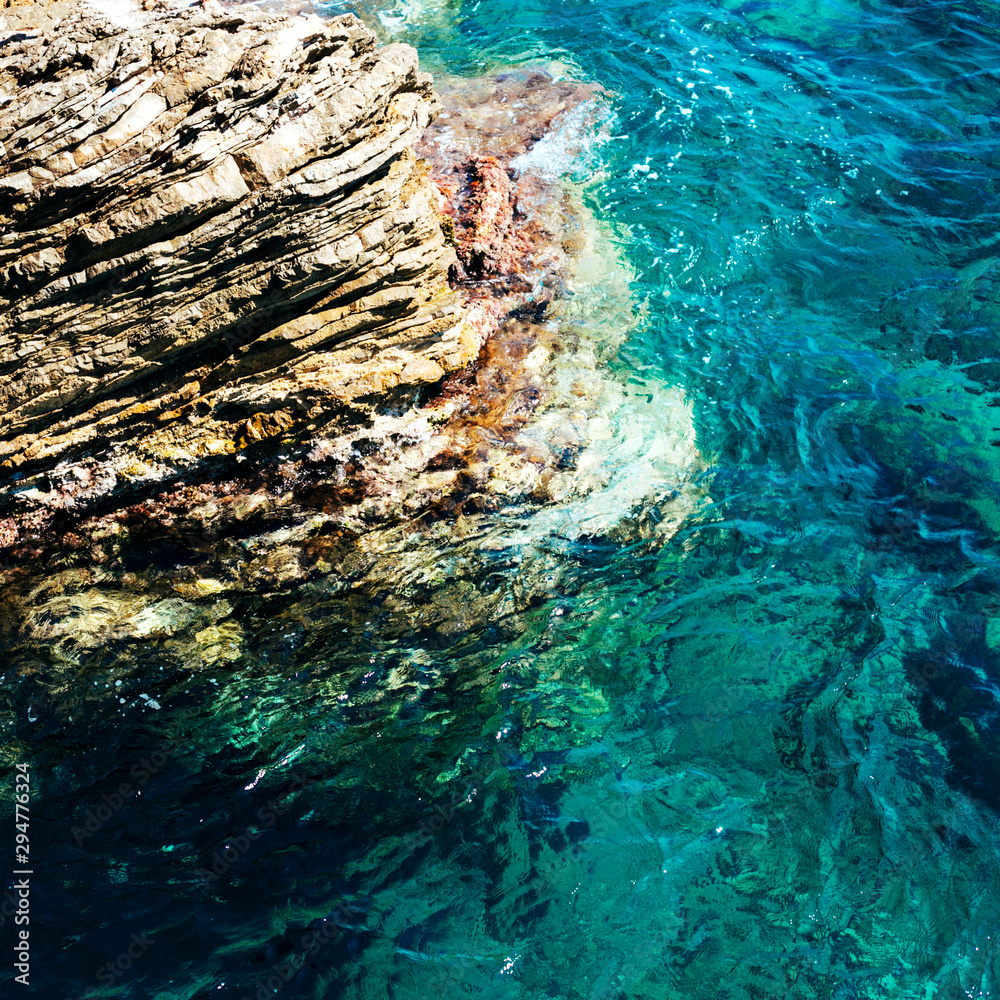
(758,762)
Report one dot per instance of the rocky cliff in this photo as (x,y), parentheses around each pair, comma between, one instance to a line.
(214,231)
(246,375)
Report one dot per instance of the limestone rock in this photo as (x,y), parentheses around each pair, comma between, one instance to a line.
(244,364)
(213,231)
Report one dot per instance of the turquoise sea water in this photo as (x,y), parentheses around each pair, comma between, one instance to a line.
(757,762)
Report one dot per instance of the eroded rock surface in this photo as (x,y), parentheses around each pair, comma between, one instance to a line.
(214,231)
(307,425)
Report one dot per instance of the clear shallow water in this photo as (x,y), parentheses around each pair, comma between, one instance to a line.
(757,762)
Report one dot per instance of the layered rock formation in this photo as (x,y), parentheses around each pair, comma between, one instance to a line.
(214,231)
(243,362)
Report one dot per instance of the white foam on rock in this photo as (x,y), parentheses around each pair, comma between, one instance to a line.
(568,148)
